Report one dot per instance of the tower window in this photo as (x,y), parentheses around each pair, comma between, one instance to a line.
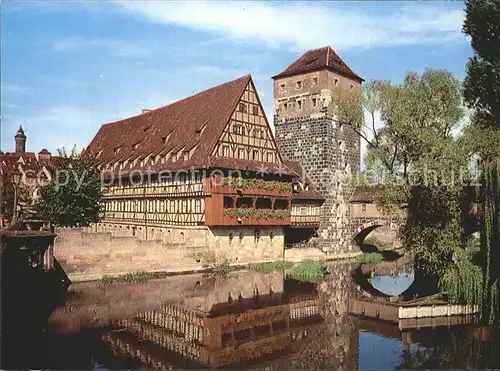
(285,105)
(225,151)
(314,102)
(352,86)
(315,81)
(282,88)
(336,81)
(241,235)
(299,104)
(299,84)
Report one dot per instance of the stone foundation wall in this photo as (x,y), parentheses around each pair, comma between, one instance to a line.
(90,253)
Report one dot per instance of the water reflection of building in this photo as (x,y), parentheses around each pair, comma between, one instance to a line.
(231,333)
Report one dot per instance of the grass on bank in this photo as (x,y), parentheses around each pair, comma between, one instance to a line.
(135,277)
(370,258)
(221,269)
(307,271)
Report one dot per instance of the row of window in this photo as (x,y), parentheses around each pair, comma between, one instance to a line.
(153,206)
(243,154)
(239,129)
(242,107)
(256,236)
(299,85)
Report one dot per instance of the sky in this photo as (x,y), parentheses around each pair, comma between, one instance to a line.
(68,67)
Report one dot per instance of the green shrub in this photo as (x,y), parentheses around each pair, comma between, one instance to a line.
(307,271)
(221,269)
(370,258)
(266,267)
(135,277)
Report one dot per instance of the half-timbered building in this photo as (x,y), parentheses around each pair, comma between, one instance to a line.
(202,171)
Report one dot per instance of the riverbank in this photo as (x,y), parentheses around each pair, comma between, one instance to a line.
(294,255)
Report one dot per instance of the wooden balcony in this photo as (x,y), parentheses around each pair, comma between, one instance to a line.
(305,220)
(235,216)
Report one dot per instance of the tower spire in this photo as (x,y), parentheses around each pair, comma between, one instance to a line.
(20,139)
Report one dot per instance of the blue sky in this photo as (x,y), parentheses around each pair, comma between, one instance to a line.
(68,67)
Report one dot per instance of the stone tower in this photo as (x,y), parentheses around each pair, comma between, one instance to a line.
(307,131)
(20,141)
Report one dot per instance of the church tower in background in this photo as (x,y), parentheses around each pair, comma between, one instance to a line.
(307,131)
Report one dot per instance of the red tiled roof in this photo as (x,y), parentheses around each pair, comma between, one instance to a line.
(317,59)
(196,121)
(10,163)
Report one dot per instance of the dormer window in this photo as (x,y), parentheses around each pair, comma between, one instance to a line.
(197,133)
(135,146)
(306,188)
(185,155)
(315,81)
(298,84)
(146,128)
(243,107)
(117,150)
(174,157)
(153,159)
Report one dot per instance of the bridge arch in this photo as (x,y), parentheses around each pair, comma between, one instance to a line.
(362,228)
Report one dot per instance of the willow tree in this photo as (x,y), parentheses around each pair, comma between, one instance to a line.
(482,93)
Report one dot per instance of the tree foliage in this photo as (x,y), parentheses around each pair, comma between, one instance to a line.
(412,150)
(72,197)
(482,94)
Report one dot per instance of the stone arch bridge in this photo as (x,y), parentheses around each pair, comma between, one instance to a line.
(367,218)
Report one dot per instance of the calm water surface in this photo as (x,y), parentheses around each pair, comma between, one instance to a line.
(251,320)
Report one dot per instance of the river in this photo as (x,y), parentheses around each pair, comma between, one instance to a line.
(251,320)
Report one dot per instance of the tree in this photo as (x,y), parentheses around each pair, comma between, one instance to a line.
(72,197)
(414,149)
(482,93)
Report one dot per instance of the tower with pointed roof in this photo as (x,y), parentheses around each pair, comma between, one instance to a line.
(308,131)
(20,140)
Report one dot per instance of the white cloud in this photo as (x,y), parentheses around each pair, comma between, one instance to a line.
(301,26)
(117,48)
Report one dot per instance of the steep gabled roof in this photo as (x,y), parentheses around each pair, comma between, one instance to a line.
(196,121)
(317,59)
